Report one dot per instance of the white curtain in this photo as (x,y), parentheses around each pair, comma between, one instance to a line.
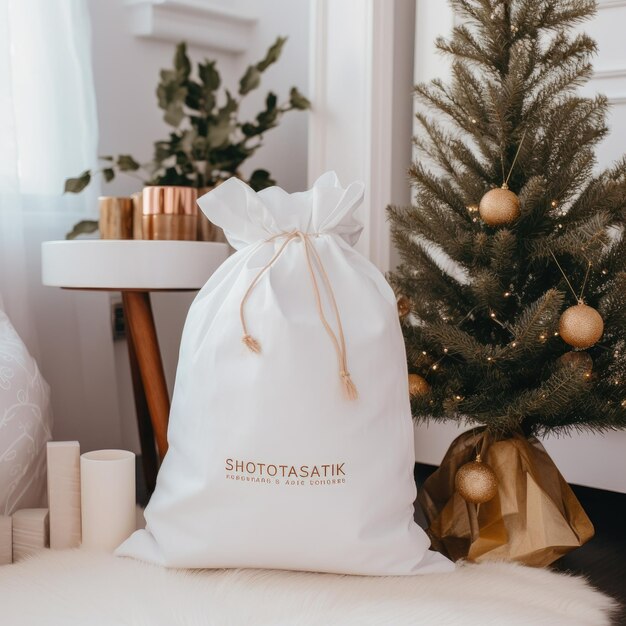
(48,132)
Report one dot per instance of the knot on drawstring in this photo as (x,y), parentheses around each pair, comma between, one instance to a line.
(349,386)
(338,339)
(252,344)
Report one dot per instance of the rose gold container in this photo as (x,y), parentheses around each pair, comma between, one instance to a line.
(169,212)
(116,217)
(207,230)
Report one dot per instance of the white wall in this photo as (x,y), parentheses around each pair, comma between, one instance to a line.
(88,372)
(585,459)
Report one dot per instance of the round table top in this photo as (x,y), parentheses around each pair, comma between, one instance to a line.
(134,265)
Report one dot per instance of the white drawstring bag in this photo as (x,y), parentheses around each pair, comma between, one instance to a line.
(290,437)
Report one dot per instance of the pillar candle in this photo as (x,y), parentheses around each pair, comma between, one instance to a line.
(6,540)
(64,494)
(30,532)
(107,498)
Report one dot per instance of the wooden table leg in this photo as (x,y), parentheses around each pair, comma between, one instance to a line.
(149,459)
(142,332)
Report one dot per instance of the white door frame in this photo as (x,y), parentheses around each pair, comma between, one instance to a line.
(361,77)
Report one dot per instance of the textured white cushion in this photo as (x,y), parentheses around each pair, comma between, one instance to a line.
(78,588)
(25,424)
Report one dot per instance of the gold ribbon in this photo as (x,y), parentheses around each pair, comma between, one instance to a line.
(338,339)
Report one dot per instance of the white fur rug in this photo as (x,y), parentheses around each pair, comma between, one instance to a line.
(78,588)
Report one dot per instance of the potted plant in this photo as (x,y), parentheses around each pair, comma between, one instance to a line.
(208,142)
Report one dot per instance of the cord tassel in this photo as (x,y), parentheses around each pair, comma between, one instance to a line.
(251,343)
(349,386)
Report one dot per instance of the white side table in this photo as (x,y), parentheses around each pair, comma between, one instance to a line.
(136,268)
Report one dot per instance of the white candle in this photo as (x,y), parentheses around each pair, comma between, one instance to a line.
(107,498)
(30,532)
(64,493)
(6,540)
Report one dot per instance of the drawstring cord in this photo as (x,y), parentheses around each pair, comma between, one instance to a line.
(312,258)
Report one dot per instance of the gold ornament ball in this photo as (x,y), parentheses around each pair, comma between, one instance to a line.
(418,386)
(476,482)
(577,360)
(581,326)
(499,206)
(404,306)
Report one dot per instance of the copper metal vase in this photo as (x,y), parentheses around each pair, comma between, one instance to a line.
(169,212)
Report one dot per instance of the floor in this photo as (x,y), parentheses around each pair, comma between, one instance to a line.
(603,559)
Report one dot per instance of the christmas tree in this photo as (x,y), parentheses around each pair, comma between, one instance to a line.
(514,243)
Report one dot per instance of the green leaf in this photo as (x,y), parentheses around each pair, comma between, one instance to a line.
(168,76)
(272,55)
(195,95)
(187,139)
(219,134)
(171,93)
(298,101)
(229,108)
(184,164)
(162,150)
(126,163)
(266,120)
(270,101)
(106,158)
(250,80)
(209,75)
(261,179)
(181,61)
(108,173)
(170,89)
(220,129)
(199,149)
(76,185)
(249,130)
(174,115)
(84,227)
(230,157)
(172,176)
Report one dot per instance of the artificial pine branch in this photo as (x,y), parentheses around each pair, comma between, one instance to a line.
(486,301)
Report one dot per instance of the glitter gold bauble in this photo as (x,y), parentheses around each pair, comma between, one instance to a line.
(499,206)
(404,306)
(577,360)
(581,326)
(418,386)
(476,482)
